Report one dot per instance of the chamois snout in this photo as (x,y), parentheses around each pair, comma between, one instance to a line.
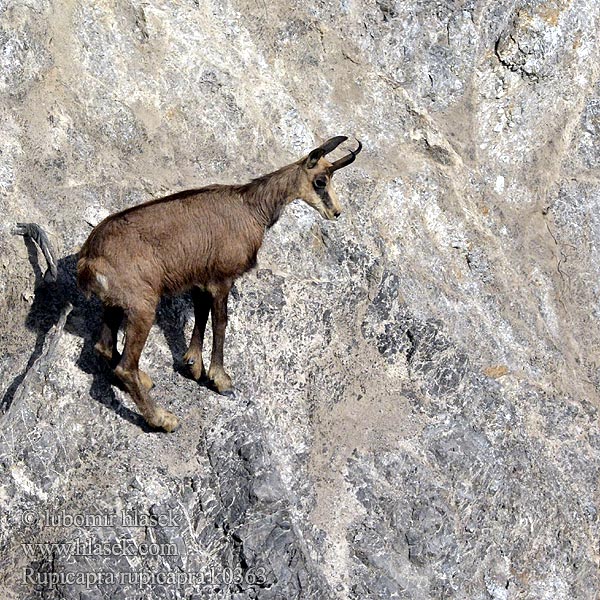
(330,206)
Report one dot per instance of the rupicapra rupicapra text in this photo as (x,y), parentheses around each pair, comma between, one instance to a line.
(202,240)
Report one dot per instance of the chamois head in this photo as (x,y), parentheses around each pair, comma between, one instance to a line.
(316,188)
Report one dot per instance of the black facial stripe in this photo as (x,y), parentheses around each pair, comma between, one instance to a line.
(324,195)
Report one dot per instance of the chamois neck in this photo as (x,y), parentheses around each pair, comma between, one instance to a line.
(269,194)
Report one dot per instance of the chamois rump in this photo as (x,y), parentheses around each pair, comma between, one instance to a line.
(200,240)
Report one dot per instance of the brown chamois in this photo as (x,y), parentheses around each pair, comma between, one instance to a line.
(202,240)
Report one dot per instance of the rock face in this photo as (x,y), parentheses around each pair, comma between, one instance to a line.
(417,383)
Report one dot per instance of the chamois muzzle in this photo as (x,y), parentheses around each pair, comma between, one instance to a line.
(346,160)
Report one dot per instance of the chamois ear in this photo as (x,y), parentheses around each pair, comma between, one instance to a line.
(313,158)
(325,148)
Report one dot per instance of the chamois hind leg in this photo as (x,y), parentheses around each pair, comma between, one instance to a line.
(193,357)
(216,373)
(106,346)
(139,323)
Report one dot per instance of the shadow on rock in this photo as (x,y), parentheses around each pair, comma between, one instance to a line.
(51,297)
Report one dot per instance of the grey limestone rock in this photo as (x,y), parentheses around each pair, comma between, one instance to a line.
(417,384)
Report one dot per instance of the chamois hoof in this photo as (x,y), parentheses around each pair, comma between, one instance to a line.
(197,370)
(221,381)
(229,393)
(196,367)
(163,419)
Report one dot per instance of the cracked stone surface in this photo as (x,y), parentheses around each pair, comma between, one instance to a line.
(417,384)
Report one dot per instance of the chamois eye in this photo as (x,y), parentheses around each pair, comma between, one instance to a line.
(320,182)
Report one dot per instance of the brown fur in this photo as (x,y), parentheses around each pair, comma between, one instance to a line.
(200,239)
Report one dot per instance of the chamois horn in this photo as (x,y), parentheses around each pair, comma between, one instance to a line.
(325,148)
(346,160)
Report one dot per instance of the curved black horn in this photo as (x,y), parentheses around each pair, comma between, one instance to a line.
(332,143)
(346,160)
(325,148)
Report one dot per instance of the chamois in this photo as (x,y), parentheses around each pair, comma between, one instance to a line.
(200,239)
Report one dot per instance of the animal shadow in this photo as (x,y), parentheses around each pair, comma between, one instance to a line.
(51,297)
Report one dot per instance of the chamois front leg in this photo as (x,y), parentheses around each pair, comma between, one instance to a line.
(138,327)
(216,373)
(106,346)
(193,357)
